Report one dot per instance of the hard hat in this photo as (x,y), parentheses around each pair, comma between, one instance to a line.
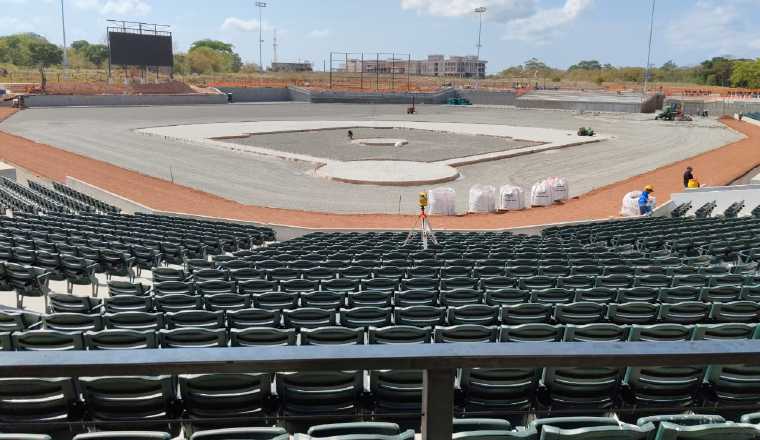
(649,188)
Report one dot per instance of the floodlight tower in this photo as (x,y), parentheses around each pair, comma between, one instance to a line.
(649,51)
(481,10)
(261,6)
(63,27)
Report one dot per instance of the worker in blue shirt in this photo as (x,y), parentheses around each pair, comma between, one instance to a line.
(644,206)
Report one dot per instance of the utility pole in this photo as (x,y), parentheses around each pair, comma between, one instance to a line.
(274,47)
(480,11)
(63,26)
(261,6)
(649,52)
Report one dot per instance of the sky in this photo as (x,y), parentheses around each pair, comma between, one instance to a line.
(559,32)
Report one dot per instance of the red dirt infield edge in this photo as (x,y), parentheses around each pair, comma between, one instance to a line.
(716,167)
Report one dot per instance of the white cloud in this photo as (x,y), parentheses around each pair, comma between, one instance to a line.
(545,23)
(501,11)
(115,7)
(319,33)
(126,7)
(722,28)
(238,24)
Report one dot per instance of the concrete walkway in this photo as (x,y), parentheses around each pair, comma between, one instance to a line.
(716,167)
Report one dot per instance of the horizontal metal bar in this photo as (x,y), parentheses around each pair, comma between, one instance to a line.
(370,357)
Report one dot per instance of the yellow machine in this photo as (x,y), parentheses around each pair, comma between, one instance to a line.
(423,200)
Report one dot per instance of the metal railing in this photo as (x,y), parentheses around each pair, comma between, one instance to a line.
(439,362)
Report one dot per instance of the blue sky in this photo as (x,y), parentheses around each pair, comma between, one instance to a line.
(560,32)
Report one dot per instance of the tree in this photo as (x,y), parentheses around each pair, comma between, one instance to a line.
(216,45)
(670,65)
(716,71)
(586,65)
(746,74)
(535,65)
(97,54)
(44,55)
(206,60)
(80,45)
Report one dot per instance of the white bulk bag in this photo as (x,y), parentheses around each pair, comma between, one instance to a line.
(560,191)
(482,198)
(630,206)
(541,194)
(442,201)
(511,198)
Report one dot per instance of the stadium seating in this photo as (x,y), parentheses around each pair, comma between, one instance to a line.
(214,286)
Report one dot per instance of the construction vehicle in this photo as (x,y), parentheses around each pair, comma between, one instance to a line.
(459,101)
(673,112)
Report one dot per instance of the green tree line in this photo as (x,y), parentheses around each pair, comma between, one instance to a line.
(717,71)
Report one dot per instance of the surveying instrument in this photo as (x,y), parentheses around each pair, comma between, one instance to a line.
(426,232)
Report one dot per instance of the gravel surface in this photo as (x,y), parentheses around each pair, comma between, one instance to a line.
(423,146)
(640,144)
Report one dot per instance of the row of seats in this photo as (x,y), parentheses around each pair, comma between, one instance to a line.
(203,401)
(345,295)
(431,308)
(95,204)
(128,333)
(248,281)
(666,427)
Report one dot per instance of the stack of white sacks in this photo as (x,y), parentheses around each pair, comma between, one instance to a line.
(442,201)
(549,191)
(482,198)
(485,198)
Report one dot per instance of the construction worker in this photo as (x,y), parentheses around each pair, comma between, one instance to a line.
(644,206)
(687,176)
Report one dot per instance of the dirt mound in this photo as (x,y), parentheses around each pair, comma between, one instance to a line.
(104,88)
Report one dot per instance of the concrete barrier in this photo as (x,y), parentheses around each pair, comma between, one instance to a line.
(249,94)
(582,106)
(488,97)
(716,108)
(121,100)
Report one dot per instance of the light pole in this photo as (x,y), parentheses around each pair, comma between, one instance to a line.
(480,11)
(261,5)
(649,51)
(65,55)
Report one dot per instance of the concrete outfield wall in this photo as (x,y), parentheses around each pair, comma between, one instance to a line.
(248,94)
(382,98)
(121,100)
(716,108)
(617,107)
(488,97)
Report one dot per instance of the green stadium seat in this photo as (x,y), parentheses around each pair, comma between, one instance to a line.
(733,431)
(399,334)
(253,318)
(255,336)
(465,333)
(600,332)
(620,432)
(119,339)
(332,336)
(124,435)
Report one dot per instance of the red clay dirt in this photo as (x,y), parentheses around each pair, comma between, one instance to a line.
(717,167)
